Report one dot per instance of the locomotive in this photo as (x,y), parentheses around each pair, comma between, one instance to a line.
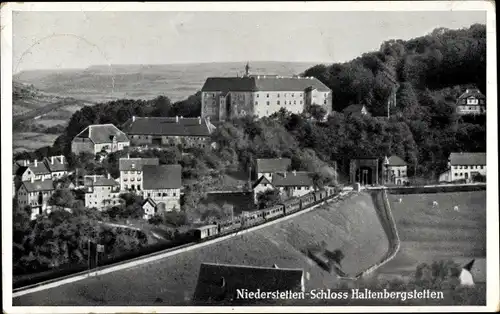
(260,216)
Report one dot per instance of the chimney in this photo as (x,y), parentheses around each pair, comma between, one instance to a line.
(176,119)
(32,179)
(52,160)
(109,176)
(43,178)
(133,118)
(36,163)
(294,173)
(95,178)
(284,174)
(199,120)
(26,163)
(62,158)
(128,156)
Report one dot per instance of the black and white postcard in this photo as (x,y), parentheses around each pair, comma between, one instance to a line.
(249,157)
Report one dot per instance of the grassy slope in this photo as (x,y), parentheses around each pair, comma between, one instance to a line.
(352,226)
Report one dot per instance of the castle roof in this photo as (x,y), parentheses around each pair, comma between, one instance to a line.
(263,83)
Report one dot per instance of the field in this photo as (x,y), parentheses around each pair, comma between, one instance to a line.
(31,141)
(352,227)
(428,234)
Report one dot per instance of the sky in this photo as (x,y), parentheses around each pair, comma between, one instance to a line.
(59,40)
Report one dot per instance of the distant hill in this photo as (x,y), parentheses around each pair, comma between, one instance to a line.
(176,81)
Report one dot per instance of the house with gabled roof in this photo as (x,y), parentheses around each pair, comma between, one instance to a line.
(260,186)
(471,102)
(36,170)
(36,194)
(464,166)
(225,283)
(131,174)
(101,191)
(294,183)
(159,132)
(98,138)
(225,98)
(395,170)
(162,183)
(269,166)
(57,165)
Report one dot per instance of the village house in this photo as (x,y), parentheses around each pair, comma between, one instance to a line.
(36,170)
(260,186)
(294,184)
(357,110)
(162,183)
(36,194)
(98,138)
(464,166)
(472,102)
(224,98)
(57,166)
(149,206)
(101,192)
(395,170)
(267,167)
(158,132)
(131,175)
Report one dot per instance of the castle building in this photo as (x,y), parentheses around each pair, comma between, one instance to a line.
(224,98)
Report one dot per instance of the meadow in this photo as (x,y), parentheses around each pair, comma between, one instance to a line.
(30,141)
(429,234)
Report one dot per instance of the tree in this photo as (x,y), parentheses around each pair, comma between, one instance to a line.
(268,198)
(62,198)
(316,111)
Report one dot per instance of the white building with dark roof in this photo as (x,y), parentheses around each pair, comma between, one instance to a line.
(158,132)
(295,183)
(224,98)
(131,174)
(36,194)
(395,170)
(464,166)
(97,138)
(471,102)
(101,192)
(162,184)
(57,165)
(36,170)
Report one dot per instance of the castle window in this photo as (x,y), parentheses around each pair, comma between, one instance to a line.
(268,103)
(278,95)
(267,95)
(257,95)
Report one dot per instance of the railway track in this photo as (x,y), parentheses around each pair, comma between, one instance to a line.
(147,258)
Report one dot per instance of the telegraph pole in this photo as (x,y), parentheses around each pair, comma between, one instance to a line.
(88,258)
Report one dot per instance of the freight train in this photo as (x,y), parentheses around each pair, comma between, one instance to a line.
(258,217)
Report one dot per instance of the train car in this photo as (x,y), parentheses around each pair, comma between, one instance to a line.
(307,200)
(229,226)
(317,196)
(252,218)
(274,211)
(205,232)
(292,205)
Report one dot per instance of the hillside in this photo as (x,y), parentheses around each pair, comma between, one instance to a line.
(173,279)
(177,81)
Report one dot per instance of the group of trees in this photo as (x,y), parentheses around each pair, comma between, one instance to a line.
(61,238)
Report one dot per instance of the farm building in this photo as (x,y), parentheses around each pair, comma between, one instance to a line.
(162,183)
(464,166)
(98,138)
(221,282)
(158,132)
(260,186)
(57,165)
